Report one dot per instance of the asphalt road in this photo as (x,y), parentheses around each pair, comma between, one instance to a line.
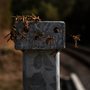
(75,61)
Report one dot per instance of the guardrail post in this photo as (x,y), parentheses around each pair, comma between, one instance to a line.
(43,40)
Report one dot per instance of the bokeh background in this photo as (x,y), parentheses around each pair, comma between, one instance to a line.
(75,13)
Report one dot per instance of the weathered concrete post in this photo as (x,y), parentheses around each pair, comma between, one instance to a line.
(41,46)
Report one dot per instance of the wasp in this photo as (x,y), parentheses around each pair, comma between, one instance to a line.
(56,30)
(76,38)
(35,18)
(49,40)
(13,34)
(26,27)
(27,19)
(38,34)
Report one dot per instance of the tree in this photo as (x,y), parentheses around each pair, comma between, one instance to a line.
(49,9)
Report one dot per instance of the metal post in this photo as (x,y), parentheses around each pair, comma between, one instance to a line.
(41,69)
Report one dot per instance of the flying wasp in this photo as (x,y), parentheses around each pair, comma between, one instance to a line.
(76,38)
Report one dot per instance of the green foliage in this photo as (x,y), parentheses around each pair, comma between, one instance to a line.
(49,11)
(30,12)
(65,7)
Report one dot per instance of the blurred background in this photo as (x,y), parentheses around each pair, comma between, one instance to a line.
(75,13)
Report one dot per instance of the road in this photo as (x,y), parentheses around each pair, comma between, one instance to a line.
(75,61)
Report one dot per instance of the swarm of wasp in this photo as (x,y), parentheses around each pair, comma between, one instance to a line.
(14,33)
(27,19)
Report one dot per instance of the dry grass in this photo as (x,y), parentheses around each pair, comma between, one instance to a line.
(10,70)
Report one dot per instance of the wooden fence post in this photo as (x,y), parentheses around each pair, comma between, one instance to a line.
(41,50)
